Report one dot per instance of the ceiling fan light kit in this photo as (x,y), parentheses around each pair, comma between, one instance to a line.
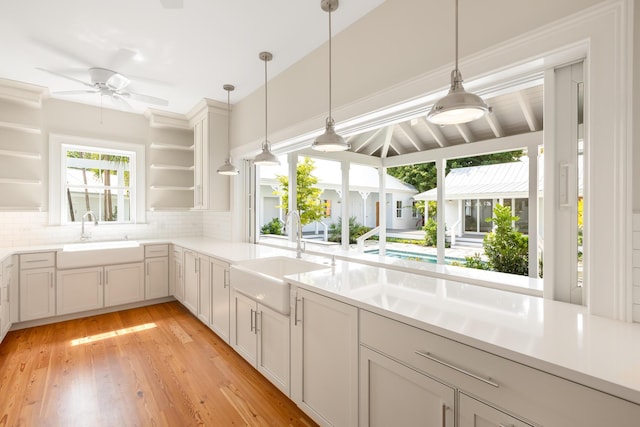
(330,140)
(458,106)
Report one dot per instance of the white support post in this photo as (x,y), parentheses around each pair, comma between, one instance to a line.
(382,210)
(344,165)
(365,196)
(532,155)
(441,166)
(292,159)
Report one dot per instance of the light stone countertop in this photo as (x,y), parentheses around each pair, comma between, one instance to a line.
(560,338)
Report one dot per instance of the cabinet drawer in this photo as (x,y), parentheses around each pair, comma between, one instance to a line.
(509,386)
(151,251)
(37,260)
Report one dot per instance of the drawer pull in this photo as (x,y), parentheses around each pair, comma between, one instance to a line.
(463,371)
(37,260)
(444,415)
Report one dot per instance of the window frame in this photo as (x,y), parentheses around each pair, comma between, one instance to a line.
(57,173)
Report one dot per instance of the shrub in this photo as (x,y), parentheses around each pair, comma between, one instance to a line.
(431,232)
(506,249)
(476,262)
(355,230)
(272,227)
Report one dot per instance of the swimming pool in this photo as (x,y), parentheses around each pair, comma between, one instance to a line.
(416,256)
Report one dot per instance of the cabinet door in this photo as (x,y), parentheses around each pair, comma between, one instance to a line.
(14,290)
(474,413)
(243,333)
(204,289)
(37,293)
(156,278)
(220,299)
(393,394)
(124,283)
(79,290)
(273,347)
(190,265)
(178,280)
(324,352)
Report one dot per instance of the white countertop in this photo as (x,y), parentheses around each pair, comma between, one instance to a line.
(559,338)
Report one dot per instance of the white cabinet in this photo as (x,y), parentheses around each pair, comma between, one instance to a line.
(79,289)
(37,286)
(392,394)
(474,413)
(156,265)
(123,283)
(211,190)
(261,336)
(191,266)
(9,276)
(324,358)
(177,274)
(220,298)
(204,289)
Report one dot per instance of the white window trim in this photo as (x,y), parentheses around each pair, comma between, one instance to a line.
(57,185)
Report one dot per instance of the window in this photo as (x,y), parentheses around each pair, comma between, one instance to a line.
(414,209)
(327,208)
(398,208)
(97,180)
(105,177)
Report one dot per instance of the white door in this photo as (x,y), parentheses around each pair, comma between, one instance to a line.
(124,283)
(79,290)
(392,394)
(220,298)
(37,293)
(273,347)
(204,289)
(324,352)
(243,333)
(190,268)
(156,277)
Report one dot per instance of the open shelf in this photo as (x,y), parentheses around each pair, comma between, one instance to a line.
(21,127)
(20,181)
(161,146)
(21,154)
(170,167)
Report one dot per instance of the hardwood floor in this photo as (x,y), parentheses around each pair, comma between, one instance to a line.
(150,366)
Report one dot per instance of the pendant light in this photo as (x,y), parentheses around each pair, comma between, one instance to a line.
(228,168)
(266,158)
(330,140)
(458,106)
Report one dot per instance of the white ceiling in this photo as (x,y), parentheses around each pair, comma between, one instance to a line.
(180,54)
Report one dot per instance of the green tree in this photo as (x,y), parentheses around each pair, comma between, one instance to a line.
(423,176)
(506,249)
(308,201)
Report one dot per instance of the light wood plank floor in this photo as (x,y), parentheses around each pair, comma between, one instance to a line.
(150,366)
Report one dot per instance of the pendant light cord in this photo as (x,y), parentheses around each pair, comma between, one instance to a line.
(456,27)
(265,102)
(229,123)
(330,117)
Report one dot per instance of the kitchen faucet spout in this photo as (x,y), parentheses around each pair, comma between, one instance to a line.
(87,214)
(296,214)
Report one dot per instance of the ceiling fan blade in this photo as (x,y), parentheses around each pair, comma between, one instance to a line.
(55,73)
(75,92)
(123,104)
(172,4)
(145,98)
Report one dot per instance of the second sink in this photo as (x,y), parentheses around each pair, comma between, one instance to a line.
(262,279)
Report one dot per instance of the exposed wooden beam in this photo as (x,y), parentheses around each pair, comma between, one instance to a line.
(494,124)
(410,134)
(436,133)
(465,132)
(387,141)
(368,140)
(527,111)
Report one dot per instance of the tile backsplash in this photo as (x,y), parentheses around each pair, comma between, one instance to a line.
(32,228)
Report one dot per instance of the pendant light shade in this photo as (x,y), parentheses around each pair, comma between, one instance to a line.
(228,168)
(458,106)
(266,157)
(330,140)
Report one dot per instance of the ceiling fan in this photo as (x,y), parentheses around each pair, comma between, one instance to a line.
(107,83)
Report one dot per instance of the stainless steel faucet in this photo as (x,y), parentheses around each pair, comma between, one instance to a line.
(296,214)
(83,235)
